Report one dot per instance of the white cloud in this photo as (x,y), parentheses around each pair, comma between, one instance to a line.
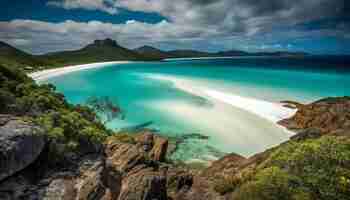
(70,35)
(227,17)
(101,5)
(212,23)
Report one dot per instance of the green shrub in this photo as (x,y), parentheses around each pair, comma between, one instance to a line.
(272,184)
(226,185)
(65,125)
(311,169)
(322,164)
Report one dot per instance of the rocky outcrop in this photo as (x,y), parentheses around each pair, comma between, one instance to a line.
(159,150)
(327,115)
(202,189)
(145,184)
(226,165)
(179,181)
(20,144)
(142,178)
(84,182)
(60,189)
(154,145)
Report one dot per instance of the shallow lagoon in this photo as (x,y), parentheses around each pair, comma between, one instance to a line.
(148,92)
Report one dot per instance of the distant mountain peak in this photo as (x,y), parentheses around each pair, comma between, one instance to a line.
(4,44)
(105,42)
(146,48)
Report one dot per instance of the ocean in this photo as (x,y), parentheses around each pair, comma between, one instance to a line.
(232,101)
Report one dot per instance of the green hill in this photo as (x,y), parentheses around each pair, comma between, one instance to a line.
(10,56)
(152,52)
(108,50)
(188,54)
(98,51)
(155,53)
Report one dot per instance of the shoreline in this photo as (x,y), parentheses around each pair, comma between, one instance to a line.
(48,73)
(259,113)
(271,111)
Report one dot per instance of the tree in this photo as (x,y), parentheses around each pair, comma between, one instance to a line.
(106,109)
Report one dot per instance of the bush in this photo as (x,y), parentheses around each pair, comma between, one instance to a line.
(272,184)
(7,99)
(311,169)
(323,164)
(62,122)
(226,185)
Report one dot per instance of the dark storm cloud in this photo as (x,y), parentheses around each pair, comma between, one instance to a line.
(208,21)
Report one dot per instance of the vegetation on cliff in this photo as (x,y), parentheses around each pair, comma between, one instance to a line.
(313,164)
(310,169)
(70,125)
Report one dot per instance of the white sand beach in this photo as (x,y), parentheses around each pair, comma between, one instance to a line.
(45,74)
(249,120)
(272,111)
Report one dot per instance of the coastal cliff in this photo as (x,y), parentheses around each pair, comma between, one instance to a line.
(52,150)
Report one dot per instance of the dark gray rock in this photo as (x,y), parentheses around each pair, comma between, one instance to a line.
(20,145)
(18,187)
(83,183)
(60,189)
(310,133)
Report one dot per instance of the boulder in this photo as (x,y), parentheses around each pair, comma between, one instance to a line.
(82,183)
(18,187)
(20,145)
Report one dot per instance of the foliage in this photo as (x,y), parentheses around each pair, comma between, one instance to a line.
(10,56)
(62,121)
(227,184)
(322,164)
(272,184)
(311,169)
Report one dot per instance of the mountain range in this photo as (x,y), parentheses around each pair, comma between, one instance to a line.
(110,50)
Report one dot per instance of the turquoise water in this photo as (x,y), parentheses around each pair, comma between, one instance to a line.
(145,97)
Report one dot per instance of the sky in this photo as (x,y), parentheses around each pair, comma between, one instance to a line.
(314,26)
